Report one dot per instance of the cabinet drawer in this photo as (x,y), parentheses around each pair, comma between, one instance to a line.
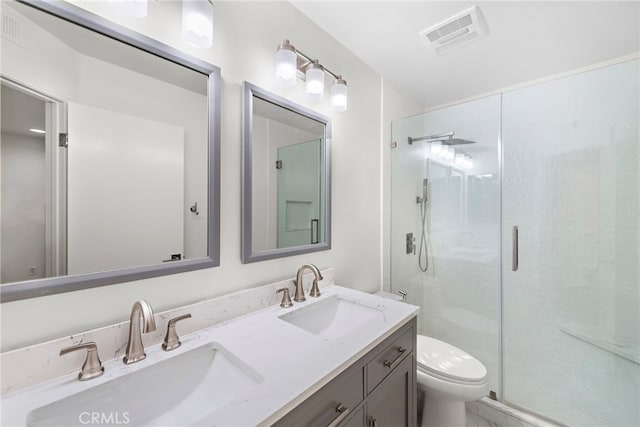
(389,358)
(320,409)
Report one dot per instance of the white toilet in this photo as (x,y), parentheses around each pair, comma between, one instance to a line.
(449,377)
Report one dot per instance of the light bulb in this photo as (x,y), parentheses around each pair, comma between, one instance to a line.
(286,64)
(460,159)
(468,162)
(449,153)
(315,81)
(197,23)
(338,95)
(436,148)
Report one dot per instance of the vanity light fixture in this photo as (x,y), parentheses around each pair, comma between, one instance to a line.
(314,77)
(197,23)
(468,162)
(436,148)
(286,64)
(289,61)
(449,153)
(197,18)
(338,95)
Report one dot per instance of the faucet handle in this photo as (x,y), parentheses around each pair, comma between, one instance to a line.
(315,290)
(171,339)
(286,299)
(92,367)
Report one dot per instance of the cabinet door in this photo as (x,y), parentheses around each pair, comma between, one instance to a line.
(392,403)
(357,420)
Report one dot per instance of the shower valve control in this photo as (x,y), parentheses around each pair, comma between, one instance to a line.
(411,244)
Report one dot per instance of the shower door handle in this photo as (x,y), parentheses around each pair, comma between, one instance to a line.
(514,252)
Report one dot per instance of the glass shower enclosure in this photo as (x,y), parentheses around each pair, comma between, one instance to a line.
(530,236)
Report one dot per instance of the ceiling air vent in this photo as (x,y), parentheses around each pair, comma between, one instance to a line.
(12,29)
(456,31)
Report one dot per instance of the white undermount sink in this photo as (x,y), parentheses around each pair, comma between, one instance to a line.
(177,391)
(331,318)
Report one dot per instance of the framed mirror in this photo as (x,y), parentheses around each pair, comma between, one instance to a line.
(286,194)
(110,154)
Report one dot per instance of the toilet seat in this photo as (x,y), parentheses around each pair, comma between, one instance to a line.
(448,363)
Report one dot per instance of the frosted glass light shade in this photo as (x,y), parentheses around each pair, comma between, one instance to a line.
(449,152)
(197,23)
(468,162)
(338,95)
(130,8)
(460,159)
(286,64)
(315,81)
(436,148)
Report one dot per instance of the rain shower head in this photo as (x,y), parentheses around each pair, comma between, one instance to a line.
(445,139)
(457,141)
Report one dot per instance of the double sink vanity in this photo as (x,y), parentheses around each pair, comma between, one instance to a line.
(342,358)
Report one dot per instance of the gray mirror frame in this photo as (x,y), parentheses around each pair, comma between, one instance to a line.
(55,285)
(250,91)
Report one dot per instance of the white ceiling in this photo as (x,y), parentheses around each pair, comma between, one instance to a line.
(96,45)
(526,41)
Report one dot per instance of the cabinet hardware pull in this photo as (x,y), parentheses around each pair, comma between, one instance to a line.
(395,361)
(342,411)
(514,255)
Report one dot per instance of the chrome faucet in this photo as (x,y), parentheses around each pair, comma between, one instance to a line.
(315,291)
(141,312)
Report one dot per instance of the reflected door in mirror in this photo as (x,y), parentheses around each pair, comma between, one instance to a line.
(299,196)
(129,173)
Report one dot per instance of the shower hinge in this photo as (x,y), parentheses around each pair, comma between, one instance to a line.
(493,395)
(63,140)
(394,144)
(278,164)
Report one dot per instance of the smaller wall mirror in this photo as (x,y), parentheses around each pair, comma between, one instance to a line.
(286,178)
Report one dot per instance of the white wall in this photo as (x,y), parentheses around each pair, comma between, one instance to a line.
(244,44)
(23,207)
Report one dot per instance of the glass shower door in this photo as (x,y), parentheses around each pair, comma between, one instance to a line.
(459,293)
(571,186)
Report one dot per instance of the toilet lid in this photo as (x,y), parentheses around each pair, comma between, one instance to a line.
(447,361)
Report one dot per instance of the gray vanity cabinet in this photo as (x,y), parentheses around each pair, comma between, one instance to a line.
(379,390)
(392,404)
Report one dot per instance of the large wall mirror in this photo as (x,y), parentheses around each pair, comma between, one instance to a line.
(286,178)
(109,154)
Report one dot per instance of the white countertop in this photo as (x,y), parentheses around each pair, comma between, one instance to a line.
(291,364)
